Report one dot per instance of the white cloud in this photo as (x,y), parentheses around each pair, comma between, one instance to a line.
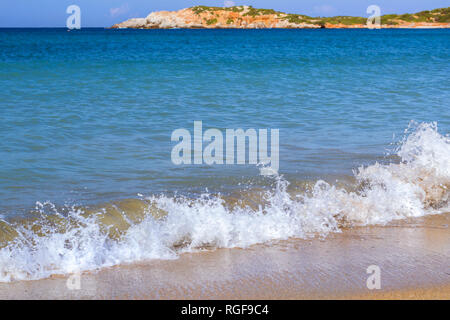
(324,10)
(120,10)
(229,3)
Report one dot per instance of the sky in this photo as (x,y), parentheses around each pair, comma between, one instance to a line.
(104,13)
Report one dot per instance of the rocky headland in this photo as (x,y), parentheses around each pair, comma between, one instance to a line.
(247,17)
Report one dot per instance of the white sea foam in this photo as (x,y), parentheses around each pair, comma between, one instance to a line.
(416,186)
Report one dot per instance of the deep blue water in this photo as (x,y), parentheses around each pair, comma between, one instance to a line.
(86,116)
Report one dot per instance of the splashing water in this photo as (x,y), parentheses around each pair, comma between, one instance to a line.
(63,243)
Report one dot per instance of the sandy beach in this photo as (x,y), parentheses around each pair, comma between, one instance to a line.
(413,257)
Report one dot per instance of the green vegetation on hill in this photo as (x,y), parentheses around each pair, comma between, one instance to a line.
(347,20)
(297,18)
(201,9)
(253,12)
(211,21)
(437,15)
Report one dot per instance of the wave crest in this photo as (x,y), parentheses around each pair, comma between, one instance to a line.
(161,227)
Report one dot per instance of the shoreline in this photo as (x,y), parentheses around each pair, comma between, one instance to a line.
(413,257)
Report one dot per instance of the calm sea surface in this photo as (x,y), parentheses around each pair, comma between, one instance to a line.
(87,116)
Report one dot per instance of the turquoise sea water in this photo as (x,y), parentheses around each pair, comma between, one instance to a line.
(86,116)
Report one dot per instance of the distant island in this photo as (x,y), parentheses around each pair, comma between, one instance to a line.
(247,17)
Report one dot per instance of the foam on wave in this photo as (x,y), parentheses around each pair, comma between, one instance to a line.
(74,241)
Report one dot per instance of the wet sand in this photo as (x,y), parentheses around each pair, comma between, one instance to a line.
(413,256)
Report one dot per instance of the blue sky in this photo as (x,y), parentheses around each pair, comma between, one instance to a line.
(104,13)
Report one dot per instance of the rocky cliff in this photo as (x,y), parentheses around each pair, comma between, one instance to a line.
(247,17)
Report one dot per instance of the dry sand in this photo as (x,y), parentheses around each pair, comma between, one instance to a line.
(414,258)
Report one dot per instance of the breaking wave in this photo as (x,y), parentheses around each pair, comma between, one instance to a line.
(66,240)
